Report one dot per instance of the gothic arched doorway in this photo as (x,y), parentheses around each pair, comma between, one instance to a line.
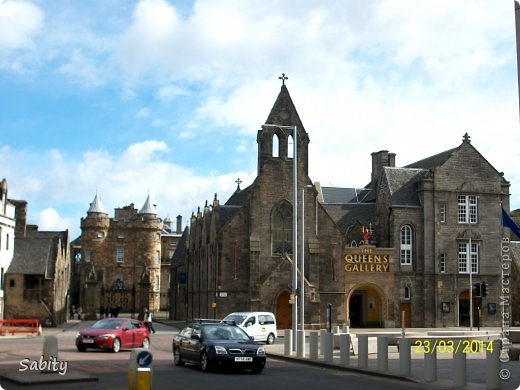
(283,311)
(365,307)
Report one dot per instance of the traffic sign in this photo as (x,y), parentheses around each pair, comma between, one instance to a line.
(144,359)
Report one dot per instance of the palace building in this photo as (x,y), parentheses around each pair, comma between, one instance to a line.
(118,260)
(397,252)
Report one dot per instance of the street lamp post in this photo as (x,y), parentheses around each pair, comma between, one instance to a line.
(294,281)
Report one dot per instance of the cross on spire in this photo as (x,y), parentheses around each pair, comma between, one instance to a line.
(283,77)
(238,181)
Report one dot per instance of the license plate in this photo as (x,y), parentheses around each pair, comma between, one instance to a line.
(243,359)
(88,341)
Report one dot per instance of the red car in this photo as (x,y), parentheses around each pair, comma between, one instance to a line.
(114,334)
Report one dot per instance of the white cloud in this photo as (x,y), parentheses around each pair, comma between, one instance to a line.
(50,220)
(20,23)
(62,182)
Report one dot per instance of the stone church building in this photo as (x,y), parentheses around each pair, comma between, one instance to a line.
(399,249)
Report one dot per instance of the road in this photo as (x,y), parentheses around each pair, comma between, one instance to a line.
(111,369)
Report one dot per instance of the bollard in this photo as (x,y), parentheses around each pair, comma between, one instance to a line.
(300,345)
(344,349)
(362,351)
(322,336)
(140,369)
(459,368)
(430,365)
(493,364)
(50,352)
(313,346)
(328,347)
(382,353)
(287,342)
(405,358)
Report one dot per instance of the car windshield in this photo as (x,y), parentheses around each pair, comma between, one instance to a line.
(107,324)
(238,318)
(216,332)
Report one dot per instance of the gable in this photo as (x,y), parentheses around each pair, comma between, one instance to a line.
(467,170)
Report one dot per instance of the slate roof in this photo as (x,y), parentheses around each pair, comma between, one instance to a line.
(433,161)
(34,255)
(346,215)
(179,256)
(336,195)
(226,213)
(239,197)
(402,184)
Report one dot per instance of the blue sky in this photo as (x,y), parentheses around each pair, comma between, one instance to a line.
(164,97)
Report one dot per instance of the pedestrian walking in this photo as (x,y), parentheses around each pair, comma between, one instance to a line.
(148,320)
(71,312)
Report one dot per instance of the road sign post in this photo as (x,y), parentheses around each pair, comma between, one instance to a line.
(140,369)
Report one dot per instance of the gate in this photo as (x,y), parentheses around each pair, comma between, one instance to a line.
(118,298)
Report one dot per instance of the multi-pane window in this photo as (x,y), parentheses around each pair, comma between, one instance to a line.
(442,213)
(467,208)
(464,256)
(442,263)
(406,245)
(282,230)
(120,254)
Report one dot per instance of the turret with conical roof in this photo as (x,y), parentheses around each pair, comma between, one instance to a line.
(148,208)
(96,207)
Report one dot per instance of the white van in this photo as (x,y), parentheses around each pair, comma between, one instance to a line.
(259,324)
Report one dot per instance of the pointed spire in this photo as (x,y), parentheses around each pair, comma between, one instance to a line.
(96,206)
(148,208)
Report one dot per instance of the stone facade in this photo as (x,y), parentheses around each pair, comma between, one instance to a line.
(119,265)
(239,255)
(37,281)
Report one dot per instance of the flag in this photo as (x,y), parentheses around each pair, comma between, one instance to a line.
(508,222)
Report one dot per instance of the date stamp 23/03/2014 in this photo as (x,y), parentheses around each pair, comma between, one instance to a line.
(441,346)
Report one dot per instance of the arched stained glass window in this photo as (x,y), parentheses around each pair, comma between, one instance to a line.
(282,238)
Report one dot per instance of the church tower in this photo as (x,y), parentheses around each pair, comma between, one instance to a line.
(276,138)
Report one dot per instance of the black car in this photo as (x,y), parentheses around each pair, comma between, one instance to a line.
(213,344)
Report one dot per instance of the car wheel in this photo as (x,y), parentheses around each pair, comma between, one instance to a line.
(177,358)
(81,348)
(270,339)
(116,345)
(204,362)
(257,369)
(146,343)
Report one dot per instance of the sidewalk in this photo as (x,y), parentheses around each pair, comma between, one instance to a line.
(475,367)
